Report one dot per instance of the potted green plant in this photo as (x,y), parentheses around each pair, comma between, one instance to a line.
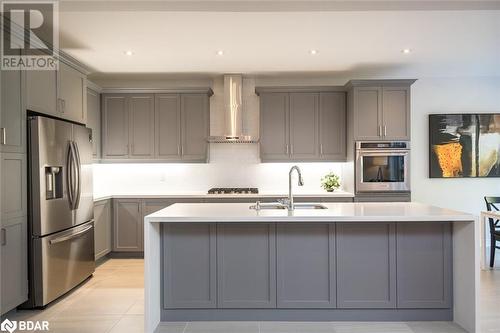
(330,182)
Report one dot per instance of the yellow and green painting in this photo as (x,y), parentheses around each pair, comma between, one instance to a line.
(464,145)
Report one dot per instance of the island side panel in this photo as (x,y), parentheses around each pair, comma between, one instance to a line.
(466,259)
(152,276)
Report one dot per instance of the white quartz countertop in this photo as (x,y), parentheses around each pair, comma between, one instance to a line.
(204,195)
(368,212)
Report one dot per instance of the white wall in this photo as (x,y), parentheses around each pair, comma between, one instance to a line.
(231,165)
(450,95)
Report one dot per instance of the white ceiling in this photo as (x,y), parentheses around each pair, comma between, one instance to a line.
(444,43)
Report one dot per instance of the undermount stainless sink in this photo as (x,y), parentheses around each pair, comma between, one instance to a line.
(277,205)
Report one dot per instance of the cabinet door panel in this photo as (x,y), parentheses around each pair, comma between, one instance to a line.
(189,265)
(141,131)
(274,143)
(115,126)
(12,112)
(102,228)
(367,113)
(424,265)
(366,265)
(304,133)
(332,122)
(168,126)
(246,260)
(72,86)
(13,185)
(42,92)
(195,127)
(127,225)
(94,121)
(14,259)
(306,265)
(396,113)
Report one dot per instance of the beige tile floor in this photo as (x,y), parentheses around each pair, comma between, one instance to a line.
(112,302)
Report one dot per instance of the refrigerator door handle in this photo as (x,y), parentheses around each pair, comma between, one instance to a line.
(78,168)
(69,175)
(68,237)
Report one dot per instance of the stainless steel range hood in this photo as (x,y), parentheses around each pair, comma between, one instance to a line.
(233,113)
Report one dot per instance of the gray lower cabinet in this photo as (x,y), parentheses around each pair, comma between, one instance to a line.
(306,276)
(115,126)
(189,256)
(127,225)
(14,263)
(94,121)
(246,256)
(424,265)
(141,126)
(366,265)
(12,112)
(103,243)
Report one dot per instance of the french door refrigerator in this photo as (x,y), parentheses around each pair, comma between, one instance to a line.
(61,225)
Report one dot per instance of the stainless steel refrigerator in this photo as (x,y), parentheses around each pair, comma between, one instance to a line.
(61,225)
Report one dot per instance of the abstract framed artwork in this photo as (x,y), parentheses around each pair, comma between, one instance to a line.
(464,145)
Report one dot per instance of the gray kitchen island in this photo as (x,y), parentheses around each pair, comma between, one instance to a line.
(331,262)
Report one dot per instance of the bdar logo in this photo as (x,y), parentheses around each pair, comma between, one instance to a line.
(8,326)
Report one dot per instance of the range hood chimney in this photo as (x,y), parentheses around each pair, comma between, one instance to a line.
(233,113)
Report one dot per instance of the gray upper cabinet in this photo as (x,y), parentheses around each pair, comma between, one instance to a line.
(14,262)
(189,258)
(60,93)
(332,126)
(141,126)
(424,265)
(168,126)
(127,225)
(94,120)
(366,265)
(72,86)
(304,123)
(306,265)
(12,113)
(381,109)
(274,135)
(115,126)
(396,115)
(195,127)
(246,256)
(41,88)
(102,228)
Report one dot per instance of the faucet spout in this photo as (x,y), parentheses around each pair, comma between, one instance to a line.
(291,205)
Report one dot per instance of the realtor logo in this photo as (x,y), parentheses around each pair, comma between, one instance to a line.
(8,326)
(30,35)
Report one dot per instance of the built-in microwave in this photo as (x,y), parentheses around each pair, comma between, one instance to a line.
(382,166)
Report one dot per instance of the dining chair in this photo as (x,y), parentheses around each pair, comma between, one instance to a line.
(493,204)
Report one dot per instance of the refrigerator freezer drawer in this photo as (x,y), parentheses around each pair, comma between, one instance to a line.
(66,259)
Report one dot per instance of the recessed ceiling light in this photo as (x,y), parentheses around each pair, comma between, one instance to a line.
(313,52)
(220,52)
(406,51)
(128,52)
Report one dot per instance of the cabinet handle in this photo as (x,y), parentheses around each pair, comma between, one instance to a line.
(178,150)
(291,149)
(4,135)
(64,106)
(286,149)
(182,150)
(385,130)
(380,130)
(4,237)
(321,149)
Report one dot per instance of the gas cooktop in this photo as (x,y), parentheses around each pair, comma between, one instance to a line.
(233,190)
